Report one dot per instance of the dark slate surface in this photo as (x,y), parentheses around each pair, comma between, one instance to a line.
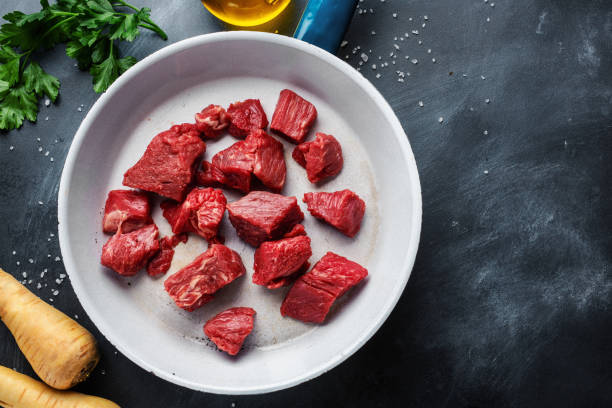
(509,301)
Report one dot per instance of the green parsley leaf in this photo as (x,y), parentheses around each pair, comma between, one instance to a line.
(127,29)
(40,82)
(18,104)
(9,71)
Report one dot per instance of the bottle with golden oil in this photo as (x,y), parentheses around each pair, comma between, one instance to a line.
(245,13)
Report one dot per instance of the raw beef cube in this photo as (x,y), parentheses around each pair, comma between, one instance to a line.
(195,284)
(293,116)
(279,259)
(201,212)
(128,253)
(212,121)
(335,274)
(228,329)
(261,216)
(342,209)
(307,303)
(167,166)
(210,176)
(246,116)
(322,158)
(236,164)
(269,160)
(310,298)
(126,208)
(297,230)
(160,263)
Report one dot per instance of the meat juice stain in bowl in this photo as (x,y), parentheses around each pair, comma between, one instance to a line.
(271,329)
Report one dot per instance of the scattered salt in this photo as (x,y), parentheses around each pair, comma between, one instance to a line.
(429,50)
(486,132)
(40,149)
(440,119)
(486,172)
(46,118)
(62,275)
(14,253)
(51,159)
(378,75)
(421,104)
(433,60)
(488,19)
(394,15)
(487,100)
(373,32)
(47,153)
(343,43)
(397,47)
(11,147)
(414,61)
(57,259)
(364,57)
(18,263)
(38,286)
(30,260)
(482,77)
(24,274)
(374,66)
(55,292)
(47,102)
(415,32)
(80,109)
(425,18)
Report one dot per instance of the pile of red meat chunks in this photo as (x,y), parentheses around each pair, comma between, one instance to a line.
(172,167)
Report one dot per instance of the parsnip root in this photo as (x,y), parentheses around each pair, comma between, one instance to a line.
(20,391)
(60,351)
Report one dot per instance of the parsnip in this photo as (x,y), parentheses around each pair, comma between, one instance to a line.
(60,351)
(20,391)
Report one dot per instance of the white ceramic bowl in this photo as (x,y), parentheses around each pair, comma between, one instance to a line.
(137,316)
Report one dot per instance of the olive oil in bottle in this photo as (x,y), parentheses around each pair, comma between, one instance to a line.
(245,13)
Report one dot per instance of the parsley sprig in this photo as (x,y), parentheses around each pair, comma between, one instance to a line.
(90,29)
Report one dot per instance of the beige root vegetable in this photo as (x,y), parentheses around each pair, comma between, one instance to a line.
(20,391)
(60,351)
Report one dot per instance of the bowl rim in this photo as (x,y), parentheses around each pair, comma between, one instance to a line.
(345,68)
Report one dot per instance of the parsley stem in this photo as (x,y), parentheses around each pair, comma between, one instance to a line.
(59,23)
(151,25)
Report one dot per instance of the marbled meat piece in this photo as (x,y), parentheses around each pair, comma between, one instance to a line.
(322,158)
(293,116)
(259,154)
(262,216)
(201,212)
(128,253)
(161,261)
(310,298)
(236,164)
(168,164)
(212,121)
(229,328)
(343,209)
(246,116)
(269,160)
(195,284)
(279,259)
(129,209)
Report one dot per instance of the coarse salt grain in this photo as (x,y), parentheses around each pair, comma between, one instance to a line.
(55,292)
(364,57)
(486,132)
(487,100)
(57,259)
(343,43)
(440,119)
(421,104)
(30,260)
(414,61)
